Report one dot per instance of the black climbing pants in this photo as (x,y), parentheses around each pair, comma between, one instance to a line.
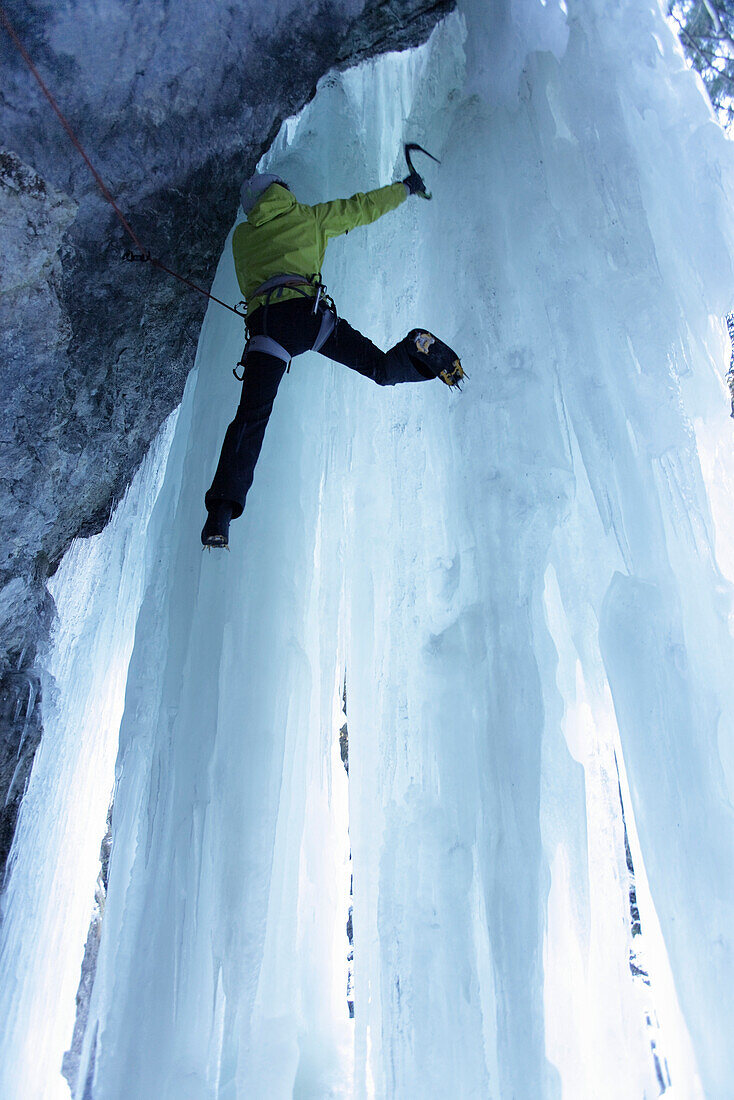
(294,325)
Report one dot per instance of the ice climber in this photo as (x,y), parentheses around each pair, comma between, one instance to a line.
(278,253)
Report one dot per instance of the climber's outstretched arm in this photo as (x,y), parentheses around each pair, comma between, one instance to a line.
(341,215)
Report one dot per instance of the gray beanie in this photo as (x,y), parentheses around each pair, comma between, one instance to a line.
(256,186)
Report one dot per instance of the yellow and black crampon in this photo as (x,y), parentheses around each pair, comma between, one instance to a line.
(438,357)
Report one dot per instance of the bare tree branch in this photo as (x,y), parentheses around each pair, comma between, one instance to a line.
(705,28)
(713,15)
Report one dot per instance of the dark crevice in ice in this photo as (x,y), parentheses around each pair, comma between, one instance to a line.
(638,968)
(730,374)
(344,750)
(72,1057)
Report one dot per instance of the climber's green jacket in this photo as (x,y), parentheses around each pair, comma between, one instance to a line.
(282,236)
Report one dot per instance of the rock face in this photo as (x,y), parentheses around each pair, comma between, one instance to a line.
(34,218)
(174,104)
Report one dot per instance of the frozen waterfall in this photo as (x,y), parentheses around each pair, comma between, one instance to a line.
(527,587)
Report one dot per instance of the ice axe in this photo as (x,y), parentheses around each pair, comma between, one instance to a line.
(411,147)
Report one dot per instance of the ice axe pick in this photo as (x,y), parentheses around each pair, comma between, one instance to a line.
(412,147)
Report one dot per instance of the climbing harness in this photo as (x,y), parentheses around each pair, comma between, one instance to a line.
(412,147)
(143,255)
(323,303)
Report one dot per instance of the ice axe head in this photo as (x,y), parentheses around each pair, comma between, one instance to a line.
(411,147)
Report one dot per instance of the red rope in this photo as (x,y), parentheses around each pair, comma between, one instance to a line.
(78,146)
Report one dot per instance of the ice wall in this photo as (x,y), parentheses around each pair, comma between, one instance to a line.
(528,586)
(54,861)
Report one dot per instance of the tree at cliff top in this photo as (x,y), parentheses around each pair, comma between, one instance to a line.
(706,30)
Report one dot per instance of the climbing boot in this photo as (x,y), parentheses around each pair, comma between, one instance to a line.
(215,532)
(438,357)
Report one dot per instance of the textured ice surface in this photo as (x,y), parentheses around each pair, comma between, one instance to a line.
(528,585)
(54,861)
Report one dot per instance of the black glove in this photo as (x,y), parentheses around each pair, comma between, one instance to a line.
(415,184)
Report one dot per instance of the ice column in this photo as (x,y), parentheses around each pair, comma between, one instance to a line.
(54,862)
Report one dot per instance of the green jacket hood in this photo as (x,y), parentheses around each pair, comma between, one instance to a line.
(276,200)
